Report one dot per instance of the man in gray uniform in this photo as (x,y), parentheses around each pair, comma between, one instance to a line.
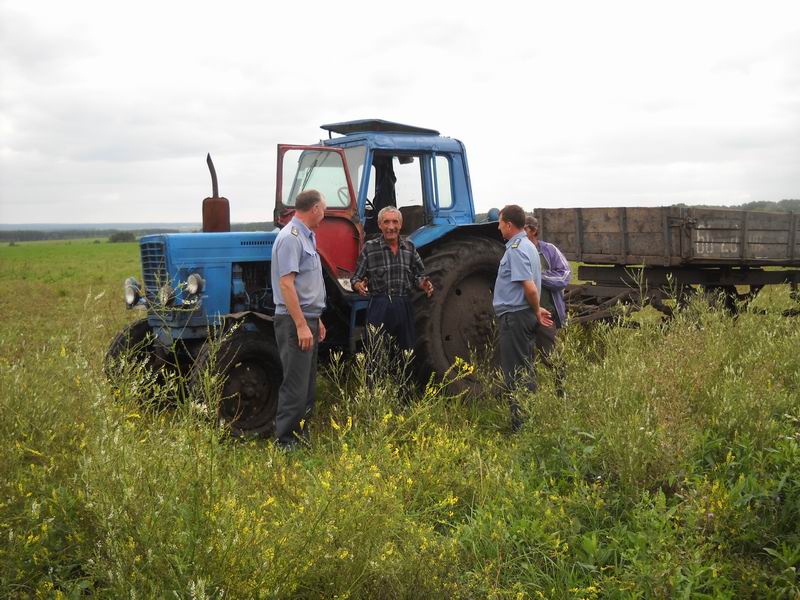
(299,293)
(516,305)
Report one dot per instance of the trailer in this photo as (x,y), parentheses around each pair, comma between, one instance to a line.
(638,255)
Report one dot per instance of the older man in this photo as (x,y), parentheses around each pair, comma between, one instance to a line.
(517,307)
(556,275)
(299,294)
(388,271)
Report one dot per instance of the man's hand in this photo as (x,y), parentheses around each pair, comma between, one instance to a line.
(304,338)
(322,331)
(361,287)
(544,317)
(426,286)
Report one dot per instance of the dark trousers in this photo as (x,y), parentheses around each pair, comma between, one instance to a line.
(545,344)
(296,394)
(396,315)
(517,333)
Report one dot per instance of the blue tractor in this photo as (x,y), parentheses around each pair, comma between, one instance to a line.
(195,283)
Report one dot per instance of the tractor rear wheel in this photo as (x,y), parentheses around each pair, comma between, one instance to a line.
(249,366)
(459,317)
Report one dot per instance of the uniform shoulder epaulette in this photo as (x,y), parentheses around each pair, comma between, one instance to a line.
(515,244)
(295,231)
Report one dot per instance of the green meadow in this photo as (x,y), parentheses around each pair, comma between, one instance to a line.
(670,470)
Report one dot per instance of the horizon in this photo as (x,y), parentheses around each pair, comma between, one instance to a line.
(150,225)
(192,224)
(110,225)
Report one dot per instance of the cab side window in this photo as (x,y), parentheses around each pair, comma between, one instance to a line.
(443,183)
(396,180)
(408,187)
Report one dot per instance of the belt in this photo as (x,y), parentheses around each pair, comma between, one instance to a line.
(391,297)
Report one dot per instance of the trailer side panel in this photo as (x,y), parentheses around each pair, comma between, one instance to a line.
(673,236)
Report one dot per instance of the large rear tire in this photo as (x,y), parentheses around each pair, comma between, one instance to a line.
(459,317)
(249,366)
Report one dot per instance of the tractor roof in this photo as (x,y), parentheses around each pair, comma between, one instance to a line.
(375,126)
(385,135)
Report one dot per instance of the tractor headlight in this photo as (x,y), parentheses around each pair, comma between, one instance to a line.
(166,295)
(195,284)
(132,293)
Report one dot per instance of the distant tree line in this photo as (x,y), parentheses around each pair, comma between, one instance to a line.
(260,226)
(118,235)
(70,234)
(780,206)
(121,237)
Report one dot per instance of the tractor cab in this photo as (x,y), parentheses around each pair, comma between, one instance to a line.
(369,165)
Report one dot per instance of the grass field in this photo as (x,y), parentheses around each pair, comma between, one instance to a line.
(671,469)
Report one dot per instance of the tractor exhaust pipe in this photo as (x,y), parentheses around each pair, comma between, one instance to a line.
(216,210)
(214,187)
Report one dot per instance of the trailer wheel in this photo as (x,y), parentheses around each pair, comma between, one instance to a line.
(136,341)
(459,316)
(723,296)
(249,368)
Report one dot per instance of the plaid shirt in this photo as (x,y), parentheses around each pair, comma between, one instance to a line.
(387,273)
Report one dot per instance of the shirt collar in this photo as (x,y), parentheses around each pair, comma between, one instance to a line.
(302,227)
(401,242)
(544,247)
(519,235)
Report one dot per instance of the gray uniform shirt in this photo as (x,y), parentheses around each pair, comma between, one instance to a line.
(519,263)
(295,251)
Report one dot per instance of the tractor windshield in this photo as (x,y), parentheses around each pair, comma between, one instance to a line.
(321,170)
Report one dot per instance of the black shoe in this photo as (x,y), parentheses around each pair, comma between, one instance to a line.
(287,447)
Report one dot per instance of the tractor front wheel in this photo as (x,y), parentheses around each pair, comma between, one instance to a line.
(248,371)
(135,342)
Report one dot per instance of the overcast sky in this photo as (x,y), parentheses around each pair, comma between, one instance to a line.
(107,109)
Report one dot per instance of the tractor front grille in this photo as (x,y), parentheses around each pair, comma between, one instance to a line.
(154,268)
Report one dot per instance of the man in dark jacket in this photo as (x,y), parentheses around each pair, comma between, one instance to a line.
(556,275)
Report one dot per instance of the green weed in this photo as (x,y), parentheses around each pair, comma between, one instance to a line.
(668,470)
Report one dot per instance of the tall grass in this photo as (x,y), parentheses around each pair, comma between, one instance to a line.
(669,470)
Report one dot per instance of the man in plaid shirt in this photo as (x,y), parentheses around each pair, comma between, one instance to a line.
(388,271)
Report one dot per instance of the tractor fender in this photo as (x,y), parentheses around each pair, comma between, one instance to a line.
(431,235)
(248,313)
(250,321)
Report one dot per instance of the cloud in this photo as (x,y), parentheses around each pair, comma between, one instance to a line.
(30,52)
(110,114)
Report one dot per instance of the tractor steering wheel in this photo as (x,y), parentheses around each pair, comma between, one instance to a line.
(344,195)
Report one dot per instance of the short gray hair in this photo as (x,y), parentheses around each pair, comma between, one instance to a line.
(532,222)
(307,200)
(388,209)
